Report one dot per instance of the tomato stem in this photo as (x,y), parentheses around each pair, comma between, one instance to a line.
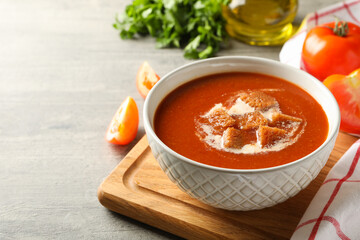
(341,28)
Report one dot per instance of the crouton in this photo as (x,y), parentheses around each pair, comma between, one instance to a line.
(280,117)
(219,119)
(284,121)
(258,100)
(268,136)
(250,120)
(232,138)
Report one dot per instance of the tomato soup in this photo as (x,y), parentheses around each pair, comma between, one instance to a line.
(241,121)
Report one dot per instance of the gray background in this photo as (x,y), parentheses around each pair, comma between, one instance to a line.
(63,73)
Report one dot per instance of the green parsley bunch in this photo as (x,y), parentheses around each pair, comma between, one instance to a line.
(195,25)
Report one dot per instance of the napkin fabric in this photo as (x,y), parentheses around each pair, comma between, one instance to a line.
(334,213)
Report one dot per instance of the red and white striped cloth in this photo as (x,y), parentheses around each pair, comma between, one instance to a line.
(334,213)
(345,10)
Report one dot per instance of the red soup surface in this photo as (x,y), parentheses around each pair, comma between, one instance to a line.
(241,121)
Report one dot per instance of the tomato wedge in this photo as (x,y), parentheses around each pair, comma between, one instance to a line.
(146,78)
(124,125)
(346,90)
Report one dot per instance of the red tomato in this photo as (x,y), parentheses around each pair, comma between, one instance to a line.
(146,78)
(325,53)
(346,90)
(124,125)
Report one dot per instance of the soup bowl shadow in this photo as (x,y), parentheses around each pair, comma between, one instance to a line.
(237,189)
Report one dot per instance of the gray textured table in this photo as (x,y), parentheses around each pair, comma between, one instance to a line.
(63,73)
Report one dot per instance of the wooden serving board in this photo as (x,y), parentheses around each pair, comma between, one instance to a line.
(139,189)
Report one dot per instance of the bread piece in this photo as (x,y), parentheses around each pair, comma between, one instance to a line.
(219,119)
(284,121)
(232,138)
(268,136)
(280,117)
(258,100)
(251,120)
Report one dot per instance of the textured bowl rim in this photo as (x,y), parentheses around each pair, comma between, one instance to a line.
(333,134)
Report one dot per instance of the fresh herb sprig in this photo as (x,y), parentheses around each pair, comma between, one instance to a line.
(195,25)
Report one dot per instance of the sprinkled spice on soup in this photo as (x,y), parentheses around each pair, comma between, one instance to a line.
(241,121)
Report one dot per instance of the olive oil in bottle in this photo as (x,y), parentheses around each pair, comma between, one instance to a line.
(260,22)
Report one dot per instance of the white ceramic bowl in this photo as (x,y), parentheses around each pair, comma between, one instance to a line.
(235,189)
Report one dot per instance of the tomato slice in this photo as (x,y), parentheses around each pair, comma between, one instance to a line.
(346,90)
(146,78)
(124,125)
